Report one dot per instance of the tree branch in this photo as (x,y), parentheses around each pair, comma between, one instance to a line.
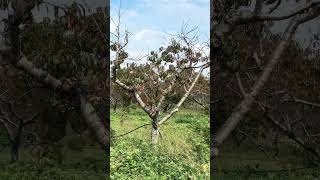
(293,99)
(243,92)
(245,105)
(274,7)
(292,136)
(14,55)
(143,105)
(254,142)
(184,97)
(298,10)
(165,92)
(131,131)
(249,16)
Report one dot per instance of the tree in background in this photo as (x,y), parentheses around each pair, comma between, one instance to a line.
(245,53)
(71,70)
(172,69)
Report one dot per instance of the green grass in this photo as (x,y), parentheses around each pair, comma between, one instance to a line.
(76,165)
(247,162)
(182,152)
(34,171)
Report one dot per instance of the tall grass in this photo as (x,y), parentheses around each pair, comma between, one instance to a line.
(181,153)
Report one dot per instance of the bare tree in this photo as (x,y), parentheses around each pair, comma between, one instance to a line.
(257,11)
(165,70)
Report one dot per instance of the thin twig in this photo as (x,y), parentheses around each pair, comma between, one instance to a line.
(293,99)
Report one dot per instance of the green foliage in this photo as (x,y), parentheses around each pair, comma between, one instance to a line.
(175,51)
(171,64)
(76,143)
(134,74)
(55,154)
(32,171)
(3,138)
(182,153)
(263,176)
(234,163)
(70,53)
(145,161)
(90,163)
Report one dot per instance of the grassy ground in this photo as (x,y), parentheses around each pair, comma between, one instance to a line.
(247,162)
(182,152)
(83,165)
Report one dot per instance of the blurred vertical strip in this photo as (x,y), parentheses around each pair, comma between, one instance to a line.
(108,83)
(216,13)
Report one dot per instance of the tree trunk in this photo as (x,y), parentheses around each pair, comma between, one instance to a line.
(115,105)
(16,142)
(14,134)
(154,132)
(14,152)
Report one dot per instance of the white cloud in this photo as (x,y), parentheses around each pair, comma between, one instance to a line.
(146,40)
(131,13)
(148,35)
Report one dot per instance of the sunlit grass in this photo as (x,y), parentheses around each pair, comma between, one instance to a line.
(183,150)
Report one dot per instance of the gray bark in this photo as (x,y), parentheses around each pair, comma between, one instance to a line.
(154,132)
(246,104)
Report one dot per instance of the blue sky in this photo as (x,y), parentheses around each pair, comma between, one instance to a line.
(149,21)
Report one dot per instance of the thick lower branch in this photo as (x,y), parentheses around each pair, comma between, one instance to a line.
(136,96)
(184,97)
(94,123)
(245,105)
(143,105)
(90,115)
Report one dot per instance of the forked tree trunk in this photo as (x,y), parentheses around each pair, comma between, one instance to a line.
(154,132)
